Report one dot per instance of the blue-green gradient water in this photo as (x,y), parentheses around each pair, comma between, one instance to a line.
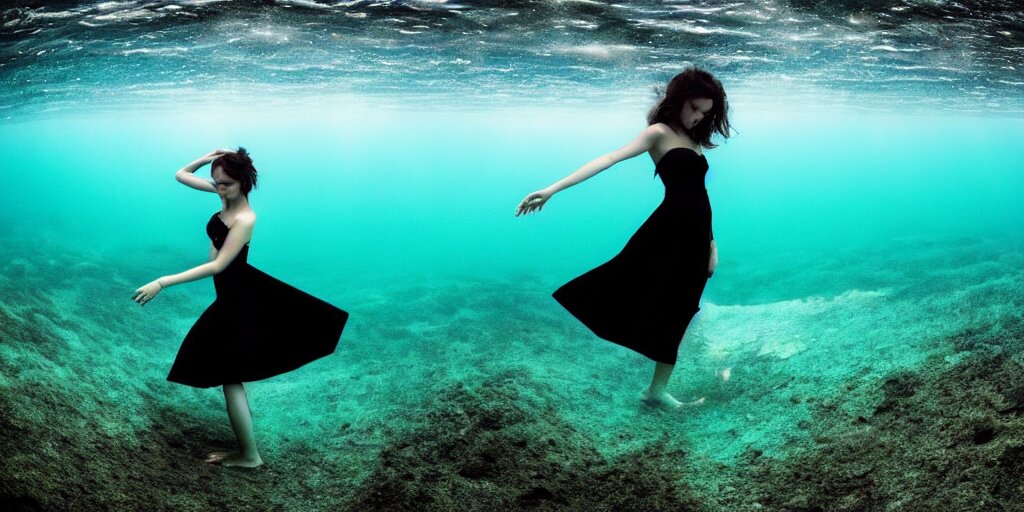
(865,316)
(349,191)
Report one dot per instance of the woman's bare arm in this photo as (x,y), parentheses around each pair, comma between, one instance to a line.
(643,142)
(238,236)
(185,174)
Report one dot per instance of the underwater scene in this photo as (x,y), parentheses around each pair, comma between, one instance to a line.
(858,346)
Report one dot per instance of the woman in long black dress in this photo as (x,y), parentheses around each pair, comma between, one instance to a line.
(645,296)
(258,326)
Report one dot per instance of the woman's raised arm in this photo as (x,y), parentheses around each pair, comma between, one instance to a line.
(185,176)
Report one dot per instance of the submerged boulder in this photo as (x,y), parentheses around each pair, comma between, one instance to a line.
(492,447)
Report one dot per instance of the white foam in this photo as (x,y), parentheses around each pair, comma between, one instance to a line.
(597,51)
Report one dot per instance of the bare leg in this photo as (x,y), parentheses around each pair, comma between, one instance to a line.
(657,394)
(241,423)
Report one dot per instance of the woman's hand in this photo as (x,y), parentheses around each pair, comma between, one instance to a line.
(713,259)
(147,292)
(213,155)
(533,201)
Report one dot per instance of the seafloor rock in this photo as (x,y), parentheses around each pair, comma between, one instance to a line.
(18,268)
(67,461)
(483,449)
(945,437)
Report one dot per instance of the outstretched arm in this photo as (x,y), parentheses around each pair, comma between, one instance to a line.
(185,174)
(239,234)
(643,142)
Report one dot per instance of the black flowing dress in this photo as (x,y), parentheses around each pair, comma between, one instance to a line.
(256,328)
(645,296)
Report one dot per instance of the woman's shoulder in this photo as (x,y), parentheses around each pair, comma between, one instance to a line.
(247,216)
(660,129)
(662,135)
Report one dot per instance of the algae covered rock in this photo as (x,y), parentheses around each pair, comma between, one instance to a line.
(495,446)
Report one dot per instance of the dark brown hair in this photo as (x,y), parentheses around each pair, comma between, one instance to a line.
(238,165)
(693,82)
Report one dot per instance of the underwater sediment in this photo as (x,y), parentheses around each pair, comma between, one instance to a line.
(453,415)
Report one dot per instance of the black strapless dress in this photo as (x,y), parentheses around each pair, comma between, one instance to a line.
(257,327)
(645,297)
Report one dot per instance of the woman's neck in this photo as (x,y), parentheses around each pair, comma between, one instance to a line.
(239,204)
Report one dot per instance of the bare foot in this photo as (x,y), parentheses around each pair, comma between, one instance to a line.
(663,399)
(216,457)
(234,459)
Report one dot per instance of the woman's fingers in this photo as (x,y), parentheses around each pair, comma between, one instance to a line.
(142,297)
(524,207)
(531,203)
(215,154)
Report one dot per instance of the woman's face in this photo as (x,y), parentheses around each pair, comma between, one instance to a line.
(227,187)
(694,110)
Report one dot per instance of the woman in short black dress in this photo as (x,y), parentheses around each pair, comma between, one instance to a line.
(645,297)
(258,326)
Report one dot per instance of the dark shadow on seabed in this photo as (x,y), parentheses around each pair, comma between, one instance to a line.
(946,436)
(501,445)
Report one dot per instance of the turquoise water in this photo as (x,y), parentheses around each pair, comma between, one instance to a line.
(850,251)
(865,316)
(354,192)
